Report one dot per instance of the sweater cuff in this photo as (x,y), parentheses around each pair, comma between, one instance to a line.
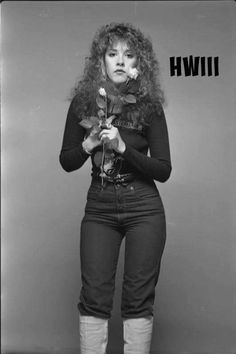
(128,152)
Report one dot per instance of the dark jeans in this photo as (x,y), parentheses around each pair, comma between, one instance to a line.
(134,211)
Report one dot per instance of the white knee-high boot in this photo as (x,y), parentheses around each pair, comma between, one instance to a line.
(93,335)
(137,335)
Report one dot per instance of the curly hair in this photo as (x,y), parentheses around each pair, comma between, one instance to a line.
(150,90)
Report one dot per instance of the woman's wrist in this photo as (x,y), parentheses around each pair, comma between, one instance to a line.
(86,147)
(121,147)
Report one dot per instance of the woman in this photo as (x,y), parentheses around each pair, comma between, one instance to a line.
(115,117)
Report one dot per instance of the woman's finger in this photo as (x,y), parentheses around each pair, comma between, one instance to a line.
(104,136)
(104,132)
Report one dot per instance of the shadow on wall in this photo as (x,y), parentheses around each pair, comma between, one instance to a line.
(76,351)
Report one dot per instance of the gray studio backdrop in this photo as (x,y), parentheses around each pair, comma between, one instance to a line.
(44,45)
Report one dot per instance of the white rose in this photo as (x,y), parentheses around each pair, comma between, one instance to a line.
(133,73)
(102,91)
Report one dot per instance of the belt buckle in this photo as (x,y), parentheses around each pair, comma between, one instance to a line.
(118,179)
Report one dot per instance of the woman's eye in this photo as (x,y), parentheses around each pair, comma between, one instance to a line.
(111,54)
(130,56)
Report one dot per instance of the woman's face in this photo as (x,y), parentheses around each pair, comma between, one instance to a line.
(119,59)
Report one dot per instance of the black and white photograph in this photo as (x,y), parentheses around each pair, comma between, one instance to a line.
(118,198)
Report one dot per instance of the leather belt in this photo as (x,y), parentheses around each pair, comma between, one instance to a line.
(123,178)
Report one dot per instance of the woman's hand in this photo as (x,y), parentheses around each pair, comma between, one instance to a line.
(112,136)
(92,140)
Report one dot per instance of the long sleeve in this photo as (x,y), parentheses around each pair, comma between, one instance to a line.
(72,155)
(158,165)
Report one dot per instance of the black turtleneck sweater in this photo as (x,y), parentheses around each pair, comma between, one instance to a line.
(138,141)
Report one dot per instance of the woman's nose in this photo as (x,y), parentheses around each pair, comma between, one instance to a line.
(120,60)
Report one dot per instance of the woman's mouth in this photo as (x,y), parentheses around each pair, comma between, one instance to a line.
(119,71)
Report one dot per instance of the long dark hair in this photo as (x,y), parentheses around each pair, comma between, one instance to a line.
(151,96)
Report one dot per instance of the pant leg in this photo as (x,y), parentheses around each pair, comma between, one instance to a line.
(99,252)
(144,245)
